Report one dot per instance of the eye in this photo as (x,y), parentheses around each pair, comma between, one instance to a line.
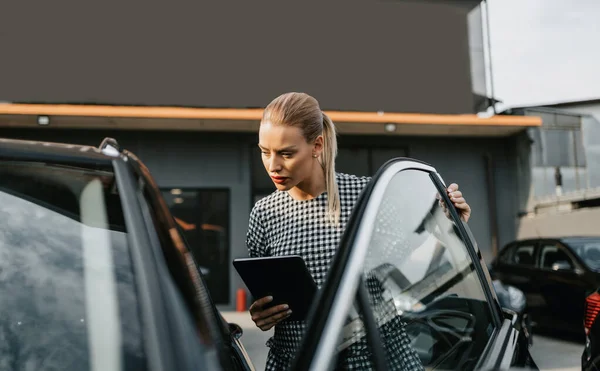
(286,154)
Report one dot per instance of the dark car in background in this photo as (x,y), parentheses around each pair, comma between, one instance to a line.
(556,275)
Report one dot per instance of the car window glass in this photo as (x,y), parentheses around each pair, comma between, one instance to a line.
(506,255)
(524,255)
(589,251)
(551,254)
(426,296)
(68,291)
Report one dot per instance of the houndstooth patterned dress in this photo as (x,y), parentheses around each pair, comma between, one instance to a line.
(280,225)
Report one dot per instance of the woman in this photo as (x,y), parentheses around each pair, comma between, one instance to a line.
(307,213)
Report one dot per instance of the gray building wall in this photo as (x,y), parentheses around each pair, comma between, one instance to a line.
(590,129)
(569,138)
(565,140)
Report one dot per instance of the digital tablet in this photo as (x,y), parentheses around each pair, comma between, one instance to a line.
(285,278)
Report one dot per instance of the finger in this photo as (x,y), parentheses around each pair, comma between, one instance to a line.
(258,304)
(453,195)
(462,206)
(274,310)
(267,327)
(259,315)
(269,322)
(274,319)
(453,187)
(458,200)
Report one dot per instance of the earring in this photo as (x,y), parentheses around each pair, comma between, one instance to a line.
(315,156)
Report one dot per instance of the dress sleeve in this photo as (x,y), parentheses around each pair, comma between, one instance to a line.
(256,237)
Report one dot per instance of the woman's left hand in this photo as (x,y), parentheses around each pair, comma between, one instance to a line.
(463,208)
(459,202)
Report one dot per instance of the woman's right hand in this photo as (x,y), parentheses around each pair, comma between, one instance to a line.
(265,319)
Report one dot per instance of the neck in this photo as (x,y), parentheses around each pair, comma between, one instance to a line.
(310,188)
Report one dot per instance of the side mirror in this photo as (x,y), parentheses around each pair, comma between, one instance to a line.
(562,265)
(236,330)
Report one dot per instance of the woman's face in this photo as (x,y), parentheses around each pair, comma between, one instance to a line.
(287,156)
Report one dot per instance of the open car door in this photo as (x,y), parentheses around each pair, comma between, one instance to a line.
(407,289)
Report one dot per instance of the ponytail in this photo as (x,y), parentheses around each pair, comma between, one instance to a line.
(328,162)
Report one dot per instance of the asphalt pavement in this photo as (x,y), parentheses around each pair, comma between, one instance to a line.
(556,354)
(549,352)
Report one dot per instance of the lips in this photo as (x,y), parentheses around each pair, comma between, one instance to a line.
(279,179)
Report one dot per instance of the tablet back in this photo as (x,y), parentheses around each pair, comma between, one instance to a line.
(285,278)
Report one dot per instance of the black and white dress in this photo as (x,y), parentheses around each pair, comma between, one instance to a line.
(281,225)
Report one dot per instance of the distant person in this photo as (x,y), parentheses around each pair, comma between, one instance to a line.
(558,180)
(307,214)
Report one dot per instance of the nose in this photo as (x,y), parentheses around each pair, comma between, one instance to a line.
(274,164)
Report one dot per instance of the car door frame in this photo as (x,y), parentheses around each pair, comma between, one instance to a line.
(340,291)
(213,327)
(178,329)
(152,308)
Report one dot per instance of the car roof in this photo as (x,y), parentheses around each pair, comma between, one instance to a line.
(576,239)
(62,153)
(566,240)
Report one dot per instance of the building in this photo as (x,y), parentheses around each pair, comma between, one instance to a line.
(183,89)
(565,170)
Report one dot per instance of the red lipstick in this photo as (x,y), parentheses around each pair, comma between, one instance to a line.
(279,179)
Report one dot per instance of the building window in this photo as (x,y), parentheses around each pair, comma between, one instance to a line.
(559,142)
(203,217)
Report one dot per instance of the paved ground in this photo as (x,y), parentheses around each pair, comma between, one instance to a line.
(553,353)
(254,339)
(549,352)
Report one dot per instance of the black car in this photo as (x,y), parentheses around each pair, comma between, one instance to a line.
(556,275)
(590,360)
(95,274)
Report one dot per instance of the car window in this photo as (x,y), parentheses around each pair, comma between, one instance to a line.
(524,255)
(551,254)
(424,292)
(68,292)
(506,255)
(588,251)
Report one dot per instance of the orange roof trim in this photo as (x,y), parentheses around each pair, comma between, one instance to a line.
(256,114)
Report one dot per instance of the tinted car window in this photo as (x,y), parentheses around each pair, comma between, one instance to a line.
(524,255)
(505,256)
(589,251)
(426,296)
(551,254)
(67,283)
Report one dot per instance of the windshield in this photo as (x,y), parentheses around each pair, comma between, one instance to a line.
(67,284)
(588,250)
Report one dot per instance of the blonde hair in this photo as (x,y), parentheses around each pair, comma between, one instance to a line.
(303,111)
